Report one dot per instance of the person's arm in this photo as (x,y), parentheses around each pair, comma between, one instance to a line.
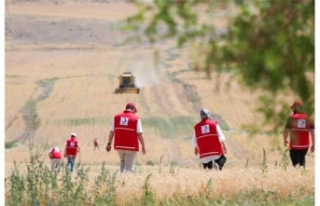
(194,143)
(286,132)
(312,140)
(78,147)
(285,137)
(312,136)
(110,138)
(222,139)
(50,153)
(140,137)
(65,151)
(224,147)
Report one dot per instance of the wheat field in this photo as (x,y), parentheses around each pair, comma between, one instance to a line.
(62,61)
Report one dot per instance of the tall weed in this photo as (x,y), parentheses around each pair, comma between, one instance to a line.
(33,183)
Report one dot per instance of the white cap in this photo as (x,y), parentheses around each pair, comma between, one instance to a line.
(74,134)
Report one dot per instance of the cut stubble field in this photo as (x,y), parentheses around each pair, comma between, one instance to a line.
(62,66)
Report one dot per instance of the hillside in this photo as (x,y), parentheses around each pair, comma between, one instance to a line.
(62,61)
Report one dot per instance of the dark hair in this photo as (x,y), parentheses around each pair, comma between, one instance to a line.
(130,107)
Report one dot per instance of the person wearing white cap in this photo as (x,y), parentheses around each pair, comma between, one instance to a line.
(127,132)
(71,150)
(55,156)
(209,142)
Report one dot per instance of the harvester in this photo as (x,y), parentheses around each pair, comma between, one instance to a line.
(127,84)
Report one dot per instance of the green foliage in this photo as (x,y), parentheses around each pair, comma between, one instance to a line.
(150,162)
(160,164)
(16,184)
(209,188)
(47,87)
(30,115)
(285,159)
(173,166)
(247,163)
(269,45)
(39,186)
(10,144)
(147,197)
(105,188)
(264,166)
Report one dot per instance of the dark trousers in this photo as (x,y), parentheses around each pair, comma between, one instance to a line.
(70,163)
(298,157)
(219,161)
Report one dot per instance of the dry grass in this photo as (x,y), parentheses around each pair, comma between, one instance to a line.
(153,185)
(226,184)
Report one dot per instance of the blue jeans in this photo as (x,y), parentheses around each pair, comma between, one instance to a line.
(70,163)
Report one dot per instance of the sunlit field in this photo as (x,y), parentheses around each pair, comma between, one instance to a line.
(159,184)
(62,62)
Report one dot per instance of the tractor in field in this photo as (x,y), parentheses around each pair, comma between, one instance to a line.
(127,84)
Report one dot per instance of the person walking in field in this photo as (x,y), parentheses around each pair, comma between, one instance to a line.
(71,150)
(299,126)
(127,132)
(55,156)
(209,142)
(96,144)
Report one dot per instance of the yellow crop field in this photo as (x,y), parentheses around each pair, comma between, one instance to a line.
(62,62)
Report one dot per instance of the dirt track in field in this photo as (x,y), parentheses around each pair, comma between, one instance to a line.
(73,49)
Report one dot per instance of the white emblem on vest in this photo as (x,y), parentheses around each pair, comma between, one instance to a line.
(205,129)
(124,121)
(72,144)
(301,123)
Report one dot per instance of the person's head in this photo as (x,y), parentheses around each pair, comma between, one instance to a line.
(73,135)
(205,114)
(297,106)
(132,107)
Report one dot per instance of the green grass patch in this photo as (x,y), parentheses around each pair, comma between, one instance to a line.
(170,127)
(85,121)
(48,81)
(9,144)
(150,162)
(13,76)
(30,115)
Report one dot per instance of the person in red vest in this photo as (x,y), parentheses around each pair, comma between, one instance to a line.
(71,150)
(299,126)
(96,144)
(127,132)
(55,156)
(209,142)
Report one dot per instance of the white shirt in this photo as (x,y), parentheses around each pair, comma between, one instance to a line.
(139,126)
(221,137)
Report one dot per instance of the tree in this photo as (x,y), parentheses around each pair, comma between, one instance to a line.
(268,44)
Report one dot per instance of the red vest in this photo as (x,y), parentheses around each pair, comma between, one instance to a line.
(55,153)
(207,138)
(72,147)
(125,128)
(299,131)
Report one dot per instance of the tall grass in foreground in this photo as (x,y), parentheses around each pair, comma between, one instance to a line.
(32,183)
